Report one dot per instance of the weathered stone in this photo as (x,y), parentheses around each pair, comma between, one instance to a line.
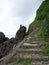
(5,48)
(2,37)
(21,33)
(42,44)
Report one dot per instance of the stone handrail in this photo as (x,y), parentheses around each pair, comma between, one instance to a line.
(8,57)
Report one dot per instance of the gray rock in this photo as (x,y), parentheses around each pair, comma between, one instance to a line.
(20,33)
(2,37)
(5,48)
(42,44)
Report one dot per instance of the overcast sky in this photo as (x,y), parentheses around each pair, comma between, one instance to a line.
(16,12)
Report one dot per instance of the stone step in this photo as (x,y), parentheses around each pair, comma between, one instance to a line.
(33,41)
(34,45)
(36,42)
(27,55)
(14,64)
(34,37)
(33,58)
(35,51)
(32,63)
(39,63)
(29,44)
(25,47)
(31,54)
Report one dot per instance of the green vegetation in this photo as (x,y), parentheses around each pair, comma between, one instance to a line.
(17,61)
(25,47)
(42,35)
(45,49)
(42,20)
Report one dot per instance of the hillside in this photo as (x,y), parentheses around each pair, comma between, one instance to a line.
(32,49)
(42,20)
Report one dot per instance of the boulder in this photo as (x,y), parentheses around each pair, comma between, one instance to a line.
(42,44)
(5,48)
(21,33)
(2,37)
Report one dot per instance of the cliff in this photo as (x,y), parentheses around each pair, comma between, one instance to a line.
(42,20)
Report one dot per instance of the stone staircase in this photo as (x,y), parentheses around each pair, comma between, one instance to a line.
(29,54)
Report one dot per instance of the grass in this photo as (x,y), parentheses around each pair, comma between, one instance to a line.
(36,37)
(26,62)
(42,20)
(19,61)
(25,47)
(45,49)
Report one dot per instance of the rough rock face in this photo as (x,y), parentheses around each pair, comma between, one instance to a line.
(7,44)
(2,37)
(2,44)
(4,48)
(21,33)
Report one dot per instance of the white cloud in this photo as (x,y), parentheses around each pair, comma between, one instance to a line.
(7,26)
(16,12)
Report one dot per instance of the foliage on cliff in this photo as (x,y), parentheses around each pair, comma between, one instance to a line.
(42,20)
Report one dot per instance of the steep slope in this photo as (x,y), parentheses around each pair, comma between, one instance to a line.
(42,20)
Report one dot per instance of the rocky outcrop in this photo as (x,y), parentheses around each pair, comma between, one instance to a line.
(2,37)
(21,33)
(7,44)
(5,47)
